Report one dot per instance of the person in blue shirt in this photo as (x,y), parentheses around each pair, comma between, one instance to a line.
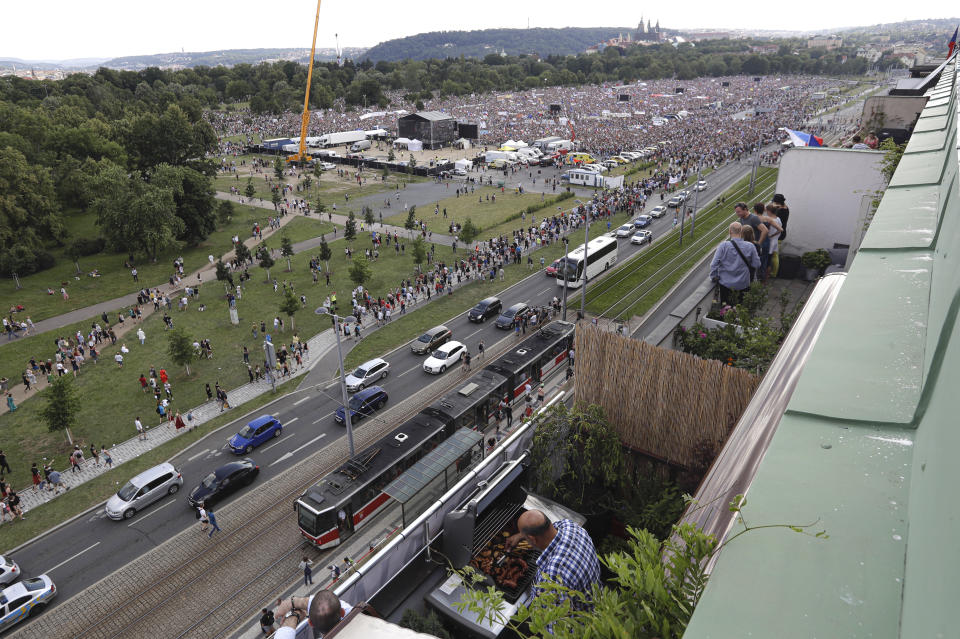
(733,265)
(568,558)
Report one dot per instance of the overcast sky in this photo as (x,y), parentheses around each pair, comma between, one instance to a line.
(63,29)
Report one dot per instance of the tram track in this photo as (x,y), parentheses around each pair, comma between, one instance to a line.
(207,587)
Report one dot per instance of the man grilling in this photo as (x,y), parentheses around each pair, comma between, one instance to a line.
(569,556)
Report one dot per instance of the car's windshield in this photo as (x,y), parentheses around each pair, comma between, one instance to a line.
(246,432)
(439,354)
(625,227)
(128,491)
(425,338)
(509,312)
(355,403)
(34,584)
(360,372)
(209,481)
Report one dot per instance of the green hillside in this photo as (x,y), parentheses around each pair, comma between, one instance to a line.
(478,44)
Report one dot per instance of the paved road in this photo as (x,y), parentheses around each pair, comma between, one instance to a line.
(93,546)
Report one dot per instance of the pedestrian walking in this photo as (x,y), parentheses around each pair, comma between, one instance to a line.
(75,458)
(107,459)
(334,572)
(10,403)
(37,477)
(139,425)
(4,466)
(95,454)
(480,350)
(56,481)
(213,522)
(305,566)
(204,519)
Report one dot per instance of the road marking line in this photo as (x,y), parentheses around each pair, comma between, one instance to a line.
(48,571)
(282,439)
(202,452)
(287,456)
(317,421)
(300,401)
(290,421)
(474,333)
(544,291)
(150,513)
(412,369)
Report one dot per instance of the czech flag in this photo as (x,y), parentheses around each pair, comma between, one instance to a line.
(799,138)
(953,42)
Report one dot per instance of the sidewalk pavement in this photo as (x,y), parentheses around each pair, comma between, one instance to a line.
(319,345)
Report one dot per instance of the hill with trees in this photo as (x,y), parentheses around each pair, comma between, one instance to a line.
(477,44)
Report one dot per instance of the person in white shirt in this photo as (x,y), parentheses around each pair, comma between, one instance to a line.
(324,610)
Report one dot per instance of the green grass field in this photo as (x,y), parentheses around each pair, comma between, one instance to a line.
(486,214)
(115,280)
(635,286)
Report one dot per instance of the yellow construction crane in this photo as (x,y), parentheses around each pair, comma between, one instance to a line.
(301,154)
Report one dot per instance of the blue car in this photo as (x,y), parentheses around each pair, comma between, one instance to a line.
(642,222)
(363,404)
(255,433)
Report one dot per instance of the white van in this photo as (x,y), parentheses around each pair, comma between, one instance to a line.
(362,145)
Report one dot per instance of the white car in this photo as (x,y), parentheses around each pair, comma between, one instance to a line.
(9,570)
(327,166)
(366,374)
(625,231)
(444,357)
(658,211)
(641,237)
(631,155)
(25,599)
(701,185)
(611,164)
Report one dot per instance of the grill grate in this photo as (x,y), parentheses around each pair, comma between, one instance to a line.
(494,520)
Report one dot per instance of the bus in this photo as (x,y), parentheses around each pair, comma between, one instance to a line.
(601,254)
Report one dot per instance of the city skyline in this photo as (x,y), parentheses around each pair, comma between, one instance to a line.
(116,29)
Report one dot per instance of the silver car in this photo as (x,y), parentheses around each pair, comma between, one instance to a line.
(9,570)
(143,490)
(366,374)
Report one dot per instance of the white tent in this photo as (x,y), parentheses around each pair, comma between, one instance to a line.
(415,145)
(462,143)
(464,164)
(401,142)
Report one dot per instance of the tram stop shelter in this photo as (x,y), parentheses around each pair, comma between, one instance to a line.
(436,472)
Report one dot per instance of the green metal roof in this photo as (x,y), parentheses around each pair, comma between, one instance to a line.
(432,465)
(868,445)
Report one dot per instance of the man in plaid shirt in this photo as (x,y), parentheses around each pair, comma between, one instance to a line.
(569,557)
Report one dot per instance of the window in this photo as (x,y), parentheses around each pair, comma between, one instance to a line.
(159,481)
(16,603)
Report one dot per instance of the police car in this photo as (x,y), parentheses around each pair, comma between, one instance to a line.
(24,599)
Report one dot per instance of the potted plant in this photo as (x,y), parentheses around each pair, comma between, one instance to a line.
(816,262)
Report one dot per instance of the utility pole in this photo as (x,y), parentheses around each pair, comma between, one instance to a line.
(563,273)
(696,197)
(586,262)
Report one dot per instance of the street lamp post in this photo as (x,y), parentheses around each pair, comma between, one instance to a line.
(337,321)
(583,285)
(696,197)
(563,273)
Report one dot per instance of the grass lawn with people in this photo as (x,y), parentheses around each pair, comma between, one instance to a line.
(114,278)
(485,214)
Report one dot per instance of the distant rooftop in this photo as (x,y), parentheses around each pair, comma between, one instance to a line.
(868,445)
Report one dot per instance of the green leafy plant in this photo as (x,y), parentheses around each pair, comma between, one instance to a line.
(818,260)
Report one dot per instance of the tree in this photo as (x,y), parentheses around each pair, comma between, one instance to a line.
(469,231)
(180,348)
(412,162)
(250,189)
(63,405)
(278,168)
(290,305)
(224,211)
(350,231)
(223,275)
(368,216)
(307,181)
(29,212)
(265,259)
(360,271)
(73,252)
(418,251)
(242,252)
(391,156)
(411,222)
(325,254)
(276,199)
(286,250)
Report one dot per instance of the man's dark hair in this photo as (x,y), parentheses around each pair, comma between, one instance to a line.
(742,205)
(324,611)
(758,208)
(538,530)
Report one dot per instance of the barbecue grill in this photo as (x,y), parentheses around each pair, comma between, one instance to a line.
(477,525)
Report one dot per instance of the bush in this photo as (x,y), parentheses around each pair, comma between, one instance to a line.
(24,260)
(85,246)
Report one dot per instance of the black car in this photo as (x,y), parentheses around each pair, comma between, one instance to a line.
(489,307)
(223,481)
(506,318)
